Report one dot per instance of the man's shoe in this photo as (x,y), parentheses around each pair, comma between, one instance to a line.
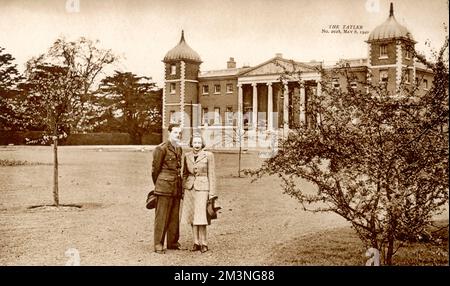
(159,248)
(175,246)
(196,247)
(204,249)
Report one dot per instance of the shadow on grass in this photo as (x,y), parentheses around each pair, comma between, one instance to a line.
(342,247)
(13,163)
(65,207)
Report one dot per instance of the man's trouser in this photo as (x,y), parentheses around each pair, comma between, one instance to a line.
(167,220)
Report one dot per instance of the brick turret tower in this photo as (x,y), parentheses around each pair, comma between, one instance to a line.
(180,95)
(391,53)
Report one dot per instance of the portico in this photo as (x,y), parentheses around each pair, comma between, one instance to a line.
(269,100)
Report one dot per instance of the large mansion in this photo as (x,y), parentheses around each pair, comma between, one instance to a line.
(219,102)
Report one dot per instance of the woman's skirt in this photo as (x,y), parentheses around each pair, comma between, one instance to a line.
(194,207)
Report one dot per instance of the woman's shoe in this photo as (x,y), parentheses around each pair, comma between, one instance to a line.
(196,247)
(204,248)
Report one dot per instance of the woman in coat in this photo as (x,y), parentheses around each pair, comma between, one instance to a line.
(199,186)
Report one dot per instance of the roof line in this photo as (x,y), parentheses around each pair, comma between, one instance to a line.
(276,58)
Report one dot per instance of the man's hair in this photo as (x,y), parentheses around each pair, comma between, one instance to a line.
(172,126)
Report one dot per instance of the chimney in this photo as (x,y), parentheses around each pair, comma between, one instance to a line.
(278,55)
(231,64)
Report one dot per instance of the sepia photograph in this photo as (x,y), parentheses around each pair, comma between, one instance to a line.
(224,133)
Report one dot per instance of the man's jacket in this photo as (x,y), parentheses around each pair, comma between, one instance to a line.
(166,170)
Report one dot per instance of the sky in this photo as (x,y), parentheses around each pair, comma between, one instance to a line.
(141,32)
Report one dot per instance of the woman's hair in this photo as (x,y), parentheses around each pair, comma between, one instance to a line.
(197,136)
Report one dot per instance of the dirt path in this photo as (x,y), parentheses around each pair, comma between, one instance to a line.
(114,228)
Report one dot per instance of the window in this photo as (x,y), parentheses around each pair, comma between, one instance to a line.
(205,89)
(417,80)
(229,88)
(173,88)
(217,116)
(172,117)
(383,51)
(335,83)
(247,117)
(173,69)
(205,116)
(217,88)
(354,85)
(229,116)
(384,77)
(408,53)
(407,77)
(425,83)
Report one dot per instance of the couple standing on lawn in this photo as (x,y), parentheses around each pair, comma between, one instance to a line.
(190,177)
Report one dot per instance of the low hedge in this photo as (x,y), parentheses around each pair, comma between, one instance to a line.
(19,138)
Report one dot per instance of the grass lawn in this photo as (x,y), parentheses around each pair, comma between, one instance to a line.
(343,247)
(258,224)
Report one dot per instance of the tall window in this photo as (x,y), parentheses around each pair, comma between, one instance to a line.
(217,116)
(247,117)
(173,117)
(335,83)
(407,77)
(205,89)
(229,116)
(384,77)
(383,51)
(205,116)
(217,88)
(229,88)
(408,53)
(173,87)
(173,69)
(425,83)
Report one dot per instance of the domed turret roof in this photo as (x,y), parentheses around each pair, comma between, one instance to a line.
(182,51)
(390,29)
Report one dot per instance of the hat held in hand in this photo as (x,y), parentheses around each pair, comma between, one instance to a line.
(211,209)
(151,200)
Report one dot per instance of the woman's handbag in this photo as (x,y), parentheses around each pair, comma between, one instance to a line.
(151,200)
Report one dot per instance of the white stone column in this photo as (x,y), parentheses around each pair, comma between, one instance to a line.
(240,106)
(255,106)
(319,93)
(285,108)
(302,104)
(269,106)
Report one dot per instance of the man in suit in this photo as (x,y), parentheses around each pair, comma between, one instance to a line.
(166,175)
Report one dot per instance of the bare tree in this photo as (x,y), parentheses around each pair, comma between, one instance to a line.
(52,99)
(86,59)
